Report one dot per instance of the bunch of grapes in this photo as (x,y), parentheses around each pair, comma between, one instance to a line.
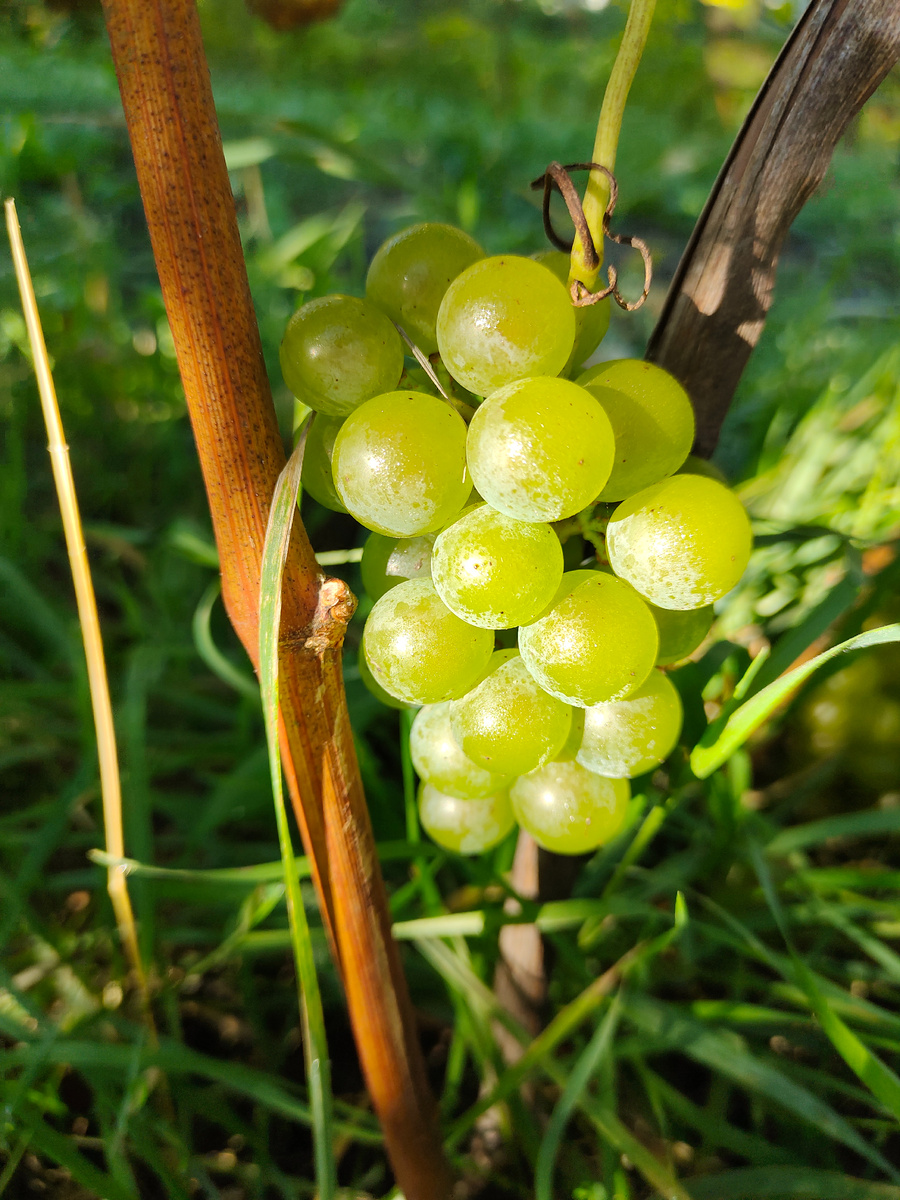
(477,473)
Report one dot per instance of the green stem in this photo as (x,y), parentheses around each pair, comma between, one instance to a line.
(596,197)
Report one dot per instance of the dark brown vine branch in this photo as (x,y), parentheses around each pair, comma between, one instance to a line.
(719,299)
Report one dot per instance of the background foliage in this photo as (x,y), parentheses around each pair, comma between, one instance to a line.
(717,1062)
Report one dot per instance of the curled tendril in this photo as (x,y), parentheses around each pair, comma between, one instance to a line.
(558,176)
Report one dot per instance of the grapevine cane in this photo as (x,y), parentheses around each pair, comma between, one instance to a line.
(169,109)
(597,195)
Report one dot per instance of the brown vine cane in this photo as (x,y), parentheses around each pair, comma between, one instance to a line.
(558,176)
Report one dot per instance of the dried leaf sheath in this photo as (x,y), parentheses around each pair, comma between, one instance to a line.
(184,183)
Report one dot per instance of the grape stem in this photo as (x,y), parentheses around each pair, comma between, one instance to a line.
(597,193)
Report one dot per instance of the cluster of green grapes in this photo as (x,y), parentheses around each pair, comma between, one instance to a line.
(470,471)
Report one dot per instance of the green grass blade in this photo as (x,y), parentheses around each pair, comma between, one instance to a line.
(579,1078)
(251,877)
(854,824)
(717,745)
(724,1054)
(175,1059)
(312,1020)
(875,1074)
(788,1183)
(47,1141)
(221,666)
(792,644)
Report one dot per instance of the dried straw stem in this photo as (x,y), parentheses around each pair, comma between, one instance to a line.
(175,139)
(110,783)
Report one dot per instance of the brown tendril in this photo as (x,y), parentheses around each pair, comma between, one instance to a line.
(557,176)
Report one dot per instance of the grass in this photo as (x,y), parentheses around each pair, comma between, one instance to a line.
(749,1046)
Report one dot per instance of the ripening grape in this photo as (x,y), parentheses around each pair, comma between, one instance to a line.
(503,319)
(412,270)
(652,420)
(440,761)
(494,571)
(680,631)
(418,650)
(624,738)
(387,561)
(597,642)
(507,722)
(316,475)
(540,449)
(372,685)
(400,463)
(682,543)
(591,320)
(338,351)
(568,809)
(465,826)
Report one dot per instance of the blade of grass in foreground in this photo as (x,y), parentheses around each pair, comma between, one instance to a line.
(720,741)
(318,1071)
(579,1078)
(875,1074)
(110,783)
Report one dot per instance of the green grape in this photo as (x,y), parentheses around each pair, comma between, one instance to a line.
(591,320)
(400,463)
(438,759)
(597,642)
(418,650)
(508,723)
(624,738)
(568,809)
(652,420)
(337,352)
(540,449)
(494,571)
(412,270)
(693,465)
(372,685)
(504,319)
(465,826)
(316,475)
(680,631)
(682,543)
(387,561)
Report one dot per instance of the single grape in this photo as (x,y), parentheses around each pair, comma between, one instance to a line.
(680,631)
(418,650)
(597,642)
(652,420)
(682,543)
(412,270)
(400,463)
(624,738)
(591,320)
(494,571)
(316,475)
(503,319)
(372,685)
(438,759)
(568,809)
(540,449)
(465,826)
(507,722)
(338,351)
(387,561)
